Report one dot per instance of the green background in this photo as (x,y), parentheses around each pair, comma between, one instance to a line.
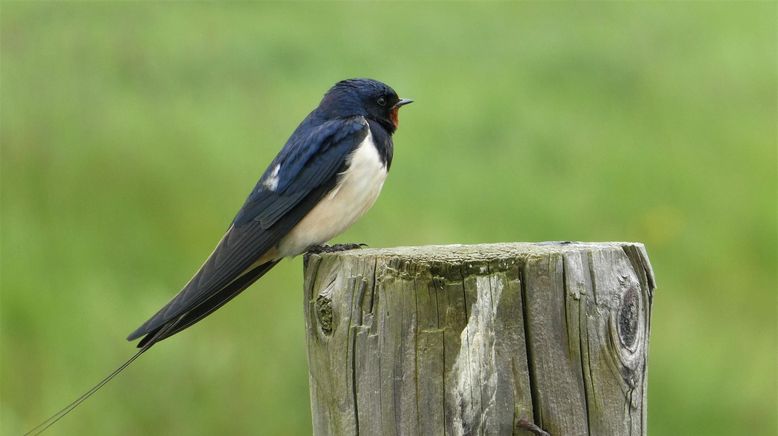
(131,133)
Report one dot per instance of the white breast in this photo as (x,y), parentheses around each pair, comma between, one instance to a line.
(356,191)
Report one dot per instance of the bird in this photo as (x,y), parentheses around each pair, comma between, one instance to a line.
(327,175)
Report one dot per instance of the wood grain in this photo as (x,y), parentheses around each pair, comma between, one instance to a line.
(474,339)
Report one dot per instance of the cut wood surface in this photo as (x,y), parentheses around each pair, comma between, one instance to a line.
(479,339)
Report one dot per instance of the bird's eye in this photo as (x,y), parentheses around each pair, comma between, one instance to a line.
(381,101)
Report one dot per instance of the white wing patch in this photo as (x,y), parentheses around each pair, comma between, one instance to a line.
(272,182)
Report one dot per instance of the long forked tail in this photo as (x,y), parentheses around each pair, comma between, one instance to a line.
(168,329)
(213,302)
(40,428)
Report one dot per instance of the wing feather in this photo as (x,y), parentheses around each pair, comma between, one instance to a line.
(310,164)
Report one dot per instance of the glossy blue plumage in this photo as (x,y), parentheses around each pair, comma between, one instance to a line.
(302,174)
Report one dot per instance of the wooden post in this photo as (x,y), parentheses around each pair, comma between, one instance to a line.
(479,339)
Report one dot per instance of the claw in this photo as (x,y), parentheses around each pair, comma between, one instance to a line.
(318,249)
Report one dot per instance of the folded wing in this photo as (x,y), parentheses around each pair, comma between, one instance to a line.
(305,171)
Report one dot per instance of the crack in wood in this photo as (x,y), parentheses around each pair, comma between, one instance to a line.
(536,410)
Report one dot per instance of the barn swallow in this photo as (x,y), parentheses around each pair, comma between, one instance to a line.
(327,175)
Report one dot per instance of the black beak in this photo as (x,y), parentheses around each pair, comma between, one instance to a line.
(403,102)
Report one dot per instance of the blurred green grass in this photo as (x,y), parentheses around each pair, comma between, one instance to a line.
(131,133)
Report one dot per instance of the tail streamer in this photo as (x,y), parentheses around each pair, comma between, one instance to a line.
(40,428)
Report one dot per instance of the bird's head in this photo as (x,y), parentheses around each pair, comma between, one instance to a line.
(366,97)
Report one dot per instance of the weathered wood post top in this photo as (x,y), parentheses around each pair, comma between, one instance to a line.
(479,339)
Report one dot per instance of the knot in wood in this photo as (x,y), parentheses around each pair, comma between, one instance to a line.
(629,314)
(324,314)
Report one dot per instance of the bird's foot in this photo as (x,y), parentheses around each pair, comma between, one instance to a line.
(526,425)
(318,249)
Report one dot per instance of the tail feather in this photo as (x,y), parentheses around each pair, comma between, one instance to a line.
(216,301)
(165,331)
(40,428)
